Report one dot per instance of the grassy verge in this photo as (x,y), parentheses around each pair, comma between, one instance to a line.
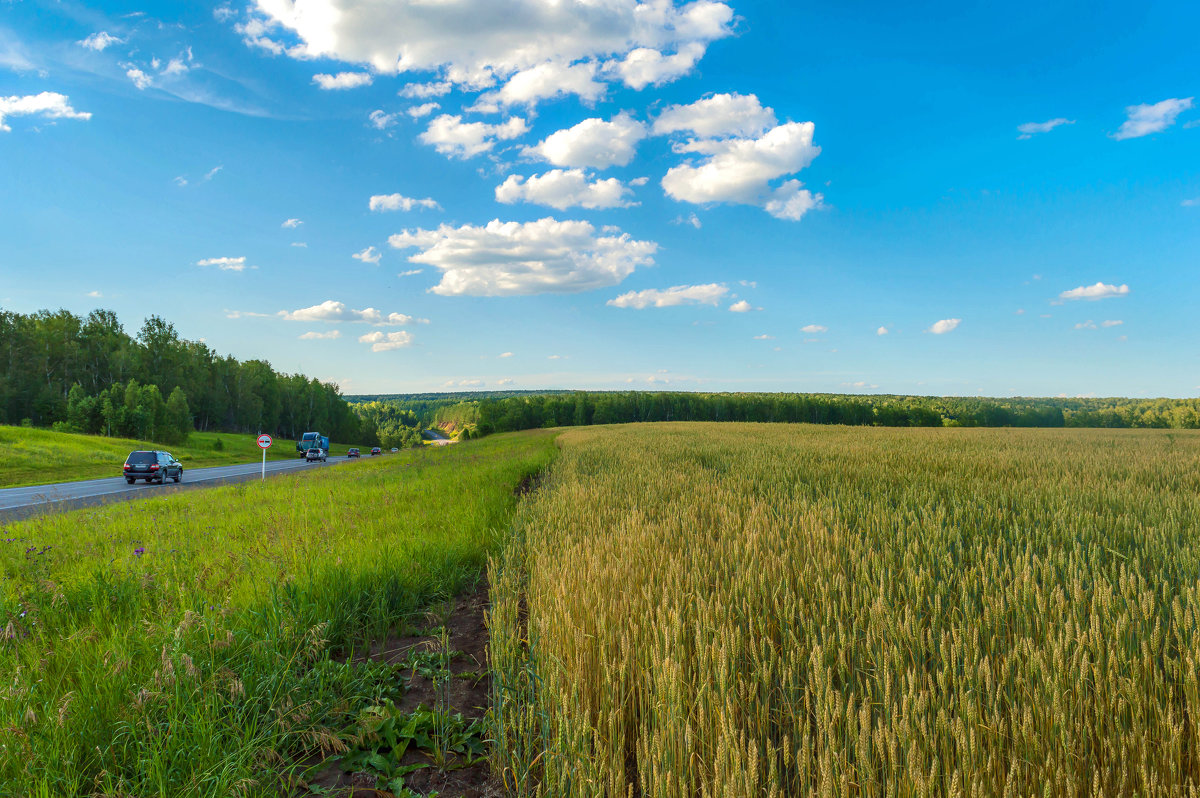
(738,609)
(38,456)
(197,644)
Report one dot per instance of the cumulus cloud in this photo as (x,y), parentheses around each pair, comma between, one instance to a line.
(764,337)
(423,91)
(321,336)
(1111,323)
(458,139)
(140,79)
(225,264)
(740,171)
(944,326)
(381,120)
(368,255)
(814,328)
(741,306)
(422,110)
(717,116)
(592,143)
(1030,129)
(332,310)
(300,244)
(1146,119)
(1094,292)
(882,331)
(99,41)
(384,342)
(513,258)
(291,224)
(399,202)
(477,42)
(691,219)
(1086,325)
(342,80)
(505,381)
(505,354)
(544,81)
(563,189)
(48,104)
(708,294)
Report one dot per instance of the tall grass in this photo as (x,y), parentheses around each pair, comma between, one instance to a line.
(182,645)
(39,456)
(741,610)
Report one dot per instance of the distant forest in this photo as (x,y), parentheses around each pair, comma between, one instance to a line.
(472,415)
(86,374)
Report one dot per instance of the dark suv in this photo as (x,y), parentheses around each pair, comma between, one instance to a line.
(153,467)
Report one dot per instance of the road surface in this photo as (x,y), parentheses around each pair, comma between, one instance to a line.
(18,503)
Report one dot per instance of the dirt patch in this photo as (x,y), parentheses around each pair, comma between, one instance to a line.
(467,692)
(528,484)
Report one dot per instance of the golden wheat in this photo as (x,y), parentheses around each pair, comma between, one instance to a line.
(750,610)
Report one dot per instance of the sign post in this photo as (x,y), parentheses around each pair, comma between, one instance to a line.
(264,443)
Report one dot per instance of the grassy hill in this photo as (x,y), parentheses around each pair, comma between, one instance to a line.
(39,456)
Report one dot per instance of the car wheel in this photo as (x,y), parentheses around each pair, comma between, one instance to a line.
(179,477)
(129,481)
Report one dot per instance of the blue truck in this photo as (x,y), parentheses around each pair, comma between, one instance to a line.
(312,440)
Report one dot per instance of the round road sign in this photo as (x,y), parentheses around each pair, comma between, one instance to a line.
(264,441)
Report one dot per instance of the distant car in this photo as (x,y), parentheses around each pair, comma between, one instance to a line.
(352,452)
(152,466)
(314,454)
(394,450)
(376,450)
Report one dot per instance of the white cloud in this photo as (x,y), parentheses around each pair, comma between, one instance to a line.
(592,142)
(513,258)
(422,110)
(717,116)
(1146,119)
(748,283)
(399,202)
(563,189)
(1111,323)
(944,326)
(546,80)
(1190,203)
(410,273)
(814,328)
(300,244)
(321,336)
(382,121)
(708,294)
(1029,129)
(99,41)
(95,294)
(740,171)
(556,357)
(423,91)
(882,331)
(139,78)
(741,306)
(181,181)
(225,264)
(1094,292)
(245,314)
(691,219)
(384,342)
(476,42)
(368,255)
(764,337)
(342,80)
(505,354)
(1086,325)
(647,66)
(291,224)
(211,173)
(505,381)
(458,139)
(48,104)
(331,310)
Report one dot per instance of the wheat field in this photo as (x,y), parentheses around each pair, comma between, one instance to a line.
(752,610)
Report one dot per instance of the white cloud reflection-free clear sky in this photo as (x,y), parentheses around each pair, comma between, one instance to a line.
(699,196)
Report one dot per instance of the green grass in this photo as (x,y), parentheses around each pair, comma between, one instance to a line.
(39,456)
(196,644)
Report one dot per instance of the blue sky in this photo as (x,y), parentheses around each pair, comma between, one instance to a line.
(850,197)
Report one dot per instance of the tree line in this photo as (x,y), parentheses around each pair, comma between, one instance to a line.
(86,374)
(482,416)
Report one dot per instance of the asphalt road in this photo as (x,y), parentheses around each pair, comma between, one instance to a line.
(18,503)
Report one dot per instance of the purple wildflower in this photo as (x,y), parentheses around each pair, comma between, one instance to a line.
(139,551)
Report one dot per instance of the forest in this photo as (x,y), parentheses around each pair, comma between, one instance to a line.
(86,374)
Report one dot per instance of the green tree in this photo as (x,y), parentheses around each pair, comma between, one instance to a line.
(178,417)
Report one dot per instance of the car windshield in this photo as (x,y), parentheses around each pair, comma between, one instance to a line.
(142,458)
